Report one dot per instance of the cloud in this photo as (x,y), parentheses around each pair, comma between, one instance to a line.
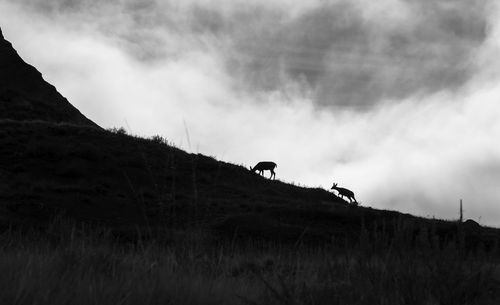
(346,53)
(396,100)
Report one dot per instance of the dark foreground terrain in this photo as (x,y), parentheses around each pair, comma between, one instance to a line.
(94,216)
(74,264)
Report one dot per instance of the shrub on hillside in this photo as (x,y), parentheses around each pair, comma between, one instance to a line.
(119,131)
(160,140)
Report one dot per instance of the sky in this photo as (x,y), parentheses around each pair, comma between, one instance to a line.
(397,100)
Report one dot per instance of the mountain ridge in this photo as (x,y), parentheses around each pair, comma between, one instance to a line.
(25,95)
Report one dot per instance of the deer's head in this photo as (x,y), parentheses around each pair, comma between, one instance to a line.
(334,186)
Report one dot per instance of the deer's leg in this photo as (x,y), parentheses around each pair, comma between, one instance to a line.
(273,174)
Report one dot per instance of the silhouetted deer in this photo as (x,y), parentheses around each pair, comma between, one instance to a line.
(265,166)
(344,192)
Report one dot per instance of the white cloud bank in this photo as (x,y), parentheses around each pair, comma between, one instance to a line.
(418,150)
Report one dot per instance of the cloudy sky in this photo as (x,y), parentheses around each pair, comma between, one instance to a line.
(398,100)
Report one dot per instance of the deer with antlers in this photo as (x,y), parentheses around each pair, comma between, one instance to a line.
(263,166)
(344,192)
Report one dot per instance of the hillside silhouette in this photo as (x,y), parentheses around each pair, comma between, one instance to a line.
(25,95)
(55,162)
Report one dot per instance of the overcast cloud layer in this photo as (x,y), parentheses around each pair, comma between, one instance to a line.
(395,99)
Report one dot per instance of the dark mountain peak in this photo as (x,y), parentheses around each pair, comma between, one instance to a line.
(25,95)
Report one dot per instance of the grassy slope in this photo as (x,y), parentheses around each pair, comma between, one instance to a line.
(127,183)
(93,174)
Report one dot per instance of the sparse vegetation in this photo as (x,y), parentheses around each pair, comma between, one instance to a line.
(161,140)
(120,130)
(71,264)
